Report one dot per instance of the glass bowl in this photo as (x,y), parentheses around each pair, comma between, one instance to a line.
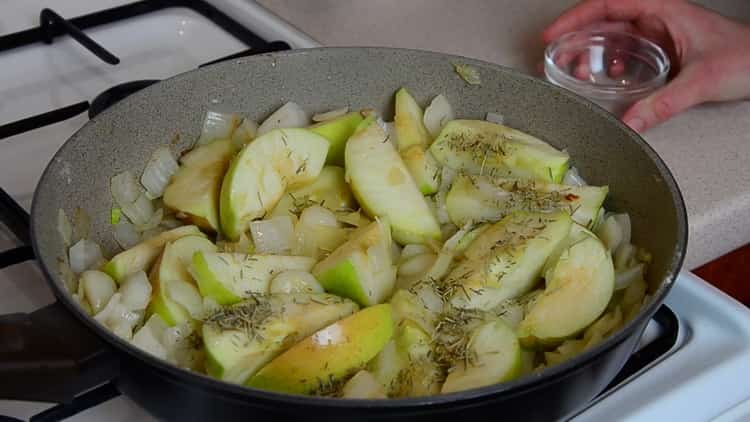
(613,69)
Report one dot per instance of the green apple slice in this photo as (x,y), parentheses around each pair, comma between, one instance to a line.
(361,269)
(579,287)
(363,385)
(141,256)
(408,306)
(263,170)
(423,168)
(483,198)
(420,376)
(240,339)
(384,187)
(337,131)
(409,121)
(228,277)
(496,358)
(329,190)
(481,147)
(194,190)
(174,297)
(318,364)
(506,260)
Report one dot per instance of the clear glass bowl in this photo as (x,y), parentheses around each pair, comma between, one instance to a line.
(613,69)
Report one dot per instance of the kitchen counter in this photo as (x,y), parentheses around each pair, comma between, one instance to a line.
(707,148)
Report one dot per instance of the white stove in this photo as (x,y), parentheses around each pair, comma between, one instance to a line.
(701,377)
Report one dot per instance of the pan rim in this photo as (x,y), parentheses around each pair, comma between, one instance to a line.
(525,383)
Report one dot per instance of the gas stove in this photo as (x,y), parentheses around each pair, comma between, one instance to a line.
(693,356)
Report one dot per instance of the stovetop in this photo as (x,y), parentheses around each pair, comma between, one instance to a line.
(691,358)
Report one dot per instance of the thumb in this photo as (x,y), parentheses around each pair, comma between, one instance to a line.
(681,93)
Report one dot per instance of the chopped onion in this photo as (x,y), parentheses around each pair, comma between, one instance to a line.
(117,318)
(429,298)
(437,114)
(210,306)
(217,125)
(623,220)
(572,178)
(511,313)
(136,291)
(445,258)
(295,281)
(159,170)
(81,225)
(414,249)
(128,196)
(125,235)
(469,74)
(610,233)
(152,221)
(98,288)
(318,216)
(169,222)
(148,234)
(355,218)
(416,265)
(289,115)
(624,278)
(330,115)
(390,130)
(186,295)
(273,236)
(66,274)
(244,133)
(149,337)
(624,256)
(84,255)
(494,118)
(64,228)
(446,180)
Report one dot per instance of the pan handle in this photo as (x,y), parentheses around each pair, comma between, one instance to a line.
(49,356)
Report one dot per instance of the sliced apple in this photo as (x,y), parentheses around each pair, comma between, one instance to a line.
(194,190)
(240,339)
(263,170)
(363,385)
(141,256)
(337,131)
(319,363)
(420,375)
(329,190)
(228,277)
(480,147)
(579,287)
(174,296)
(423,167)
(496,357)
(409,121)
(506,260)
(361,269)
(384,187)
(483,198)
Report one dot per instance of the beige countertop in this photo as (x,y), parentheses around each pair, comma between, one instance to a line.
(707,148)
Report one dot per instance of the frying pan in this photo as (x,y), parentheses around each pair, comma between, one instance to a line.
(59,351)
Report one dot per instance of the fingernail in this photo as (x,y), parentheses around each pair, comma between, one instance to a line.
(636,123)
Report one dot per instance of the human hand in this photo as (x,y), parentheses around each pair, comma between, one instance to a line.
(709,53)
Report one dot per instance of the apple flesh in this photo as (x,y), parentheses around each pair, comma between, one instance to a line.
(362,268)
(385,188)
(363,385)
(261,172)
(337,131)
(142,256)
(317,364)
(328,190)
(194,190)
(413,141)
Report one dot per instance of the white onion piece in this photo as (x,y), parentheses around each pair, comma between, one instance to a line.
(273,236)
(610,233)
(244,133)
(511,313)
(125,235)
(64,228)
(624,256)
(149,337)
(390,130)
(217,125)
(152,221)
(437,114)
(625,278)
(136,291)
(66,275)
(494,118)
(117,318)
(446,180)
(128,196)
(414,249)
(98,288)
(210,306)
(295,281)
(159,170)
(445,258)
(81,225)
(186,295)
(330,115)
(148,234)
(623,220)
(416,265)
(429,298)
(84,255)
(318,216)
(572,178)
(289,115)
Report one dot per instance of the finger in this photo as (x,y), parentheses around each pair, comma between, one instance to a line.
(683,92)
(591,11)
